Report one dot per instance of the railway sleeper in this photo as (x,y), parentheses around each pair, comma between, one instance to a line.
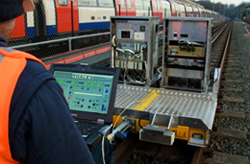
(232,58)
(232,114)
(232,99)
(229,133)
(233,69)
(233,74)
(233,55)
(232,61)
(223,158)
(233,64)
(230,89)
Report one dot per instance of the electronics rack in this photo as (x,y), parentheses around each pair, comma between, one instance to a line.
(134,46)
(186,53)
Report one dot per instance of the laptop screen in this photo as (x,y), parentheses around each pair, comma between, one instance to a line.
(85,91)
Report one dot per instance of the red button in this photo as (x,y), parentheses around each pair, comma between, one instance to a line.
(68,97)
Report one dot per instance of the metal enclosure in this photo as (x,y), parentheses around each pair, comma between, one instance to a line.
(186,53)
(134,48)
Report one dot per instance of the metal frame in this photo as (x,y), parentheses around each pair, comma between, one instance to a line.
(208,46)
(195,110)
(152,52)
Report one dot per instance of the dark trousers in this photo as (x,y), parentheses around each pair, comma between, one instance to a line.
(108,152)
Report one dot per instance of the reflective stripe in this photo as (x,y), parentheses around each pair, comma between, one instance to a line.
(1,58)
(7,52)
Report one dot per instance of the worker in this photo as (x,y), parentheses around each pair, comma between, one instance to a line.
(35,122)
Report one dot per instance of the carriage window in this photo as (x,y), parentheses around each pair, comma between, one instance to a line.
(183,13)
(129,4)
(105,3)
(155,5)
(159,8)
(139,4)
(87,3)
(191,11)
(146,5)
(166,9)
(122,4)
(63,2)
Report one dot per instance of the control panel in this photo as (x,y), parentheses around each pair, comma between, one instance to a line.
(133,31)
(186,54)
(134,48)
(86,92)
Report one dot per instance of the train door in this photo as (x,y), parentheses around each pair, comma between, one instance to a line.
(178,8)
(125,7)
(64,17)
(120,8)
(140,11)
(19,30)
(166,9)
(159,3)
(147,6)
(154,8)
(131,7)
(173,8)
(187,11)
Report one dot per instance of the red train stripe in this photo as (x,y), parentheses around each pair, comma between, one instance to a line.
(78,57)
(19,30)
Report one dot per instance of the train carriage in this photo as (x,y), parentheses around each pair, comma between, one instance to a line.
(143,8)
(24,26)
(95,16)
(166,9)
(196,11)
(53,19)
(189,11)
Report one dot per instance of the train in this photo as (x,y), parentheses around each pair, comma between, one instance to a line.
(53,19)
(247,18)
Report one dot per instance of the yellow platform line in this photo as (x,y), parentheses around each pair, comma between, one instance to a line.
(146,101)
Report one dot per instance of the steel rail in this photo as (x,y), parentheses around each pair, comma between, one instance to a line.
(214,38)
(225,51)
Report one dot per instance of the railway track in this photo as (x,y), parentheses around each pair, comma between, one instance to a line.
(231,96)
(135,151)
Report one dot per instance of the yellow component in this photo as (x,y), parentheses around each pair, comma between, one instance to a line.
(198,52)
(181,132)
(193,133)
(108,137)
(146,101)
(137,128)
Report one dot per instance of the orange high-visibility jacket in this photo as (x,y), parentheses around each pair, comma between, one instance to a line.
(12,64)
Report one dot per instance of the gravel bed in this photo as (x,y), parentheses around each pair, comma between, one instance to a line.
(240,44)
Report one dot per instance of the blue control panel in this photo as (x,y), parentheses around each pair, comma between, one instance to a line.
(86,92)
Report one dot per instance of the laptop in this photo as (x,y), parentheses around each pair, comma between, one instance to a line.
(90,92)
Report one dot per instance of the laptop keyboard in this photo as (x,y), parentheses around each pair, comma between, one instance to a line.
(88,128)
